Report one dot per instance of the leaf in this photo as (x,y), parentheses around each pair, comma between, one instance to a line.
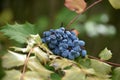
(115,3)
(74,74)
(61,63)
(19,32)
(15,75)
(12,75)
(76,5)
(84,62)
(35,65)
(116,74)
(55,76)
(12,59)
(105,54)
(100,67)
(42,56)
(32,75)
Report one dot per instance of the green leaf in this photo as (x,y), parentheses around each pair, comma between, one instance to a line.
(116,74)
(105,54)
(115,3)
(84,62)
(19,32)
(100,67)
(12,75)
(12,59)
(55,76)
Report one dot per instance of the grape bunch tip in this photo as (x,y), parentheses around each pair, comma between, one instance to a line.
(64,43)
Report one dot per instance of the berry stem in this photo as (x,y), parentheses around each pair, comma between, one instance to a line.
(76,17)
(113,64)
(25,64)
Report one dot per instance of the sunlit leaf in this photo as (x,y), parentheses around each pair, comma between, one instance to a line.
(35,65)
(74,74)
(32,75)
(105,54)
(12,75)
(61,63)
(115,3)
(76,5)
(100,67)
(116,74)
(42,56)
(12,59)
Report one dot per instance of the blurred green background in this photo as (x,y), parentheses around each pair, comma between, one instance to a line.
(99,27)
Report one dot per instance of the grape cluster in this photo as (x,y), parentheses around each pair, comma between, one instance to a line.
(64,43)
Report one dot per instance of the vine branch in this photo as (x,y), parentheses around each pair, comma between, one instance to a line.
(76,17)
(113,64)
(25,64)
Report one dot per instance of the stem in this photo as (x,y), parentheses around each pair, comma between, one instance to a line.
(113,64)
(25,64)
(76,17)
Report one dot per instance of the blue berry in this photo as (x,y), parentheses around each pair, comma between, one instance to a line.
(82,43)
(70,56)
(65,53)
(84,52)
(56,51)
(64,43)
(47,33)
(77,48)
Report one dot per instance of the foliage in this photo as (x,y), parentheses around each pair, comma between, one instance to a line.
(115,4)
(44,65)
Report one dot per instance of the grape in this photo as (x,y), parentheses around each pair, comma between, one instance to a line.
(77,49)
(76,42)
(43,40)
(68,33)
(84,52)
(47,39)
(70,56)
(65,53)
(51,46)
(56,51)
(82,43)
(53,41)
(77,54)
(73,52)
(52,37)
(70,43)
(47,33)
(64,43)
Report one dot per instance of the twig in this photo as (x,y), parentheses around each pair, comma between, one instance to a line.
(76,17)
(113,64)
(25,64)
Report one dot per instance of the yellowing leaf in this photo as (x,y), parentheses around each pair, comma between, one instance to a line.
(12,59)
(115,3)
(31,75)
(76,5)
(43,57)
(105,54)
(12,75)
(74,73)
(61,63)
(35,65)
(100,67)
